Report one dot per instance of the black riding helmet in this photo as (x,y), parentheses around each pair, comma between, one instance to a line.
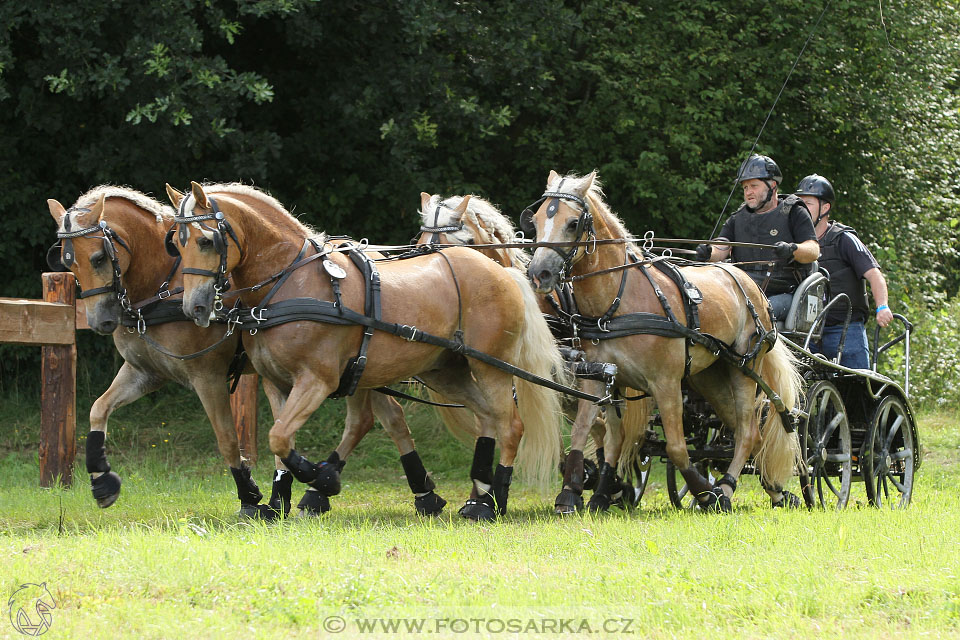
(759,168)
(816,186)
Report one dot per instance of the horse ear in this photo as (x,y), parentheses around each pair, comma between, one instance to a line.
(424,200)
(199,195)
(97,209)
(56,210)
(175,196)
(586,182)
(553,177)
(462,207)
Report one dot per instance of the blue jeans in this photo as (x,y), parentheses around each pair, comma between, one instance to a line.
(856,350)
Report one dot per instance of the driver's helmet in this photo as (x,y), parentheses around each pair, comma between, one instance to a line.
(760,168)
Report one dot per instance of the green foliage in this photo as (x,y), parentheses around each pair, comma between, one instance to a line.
(347,110)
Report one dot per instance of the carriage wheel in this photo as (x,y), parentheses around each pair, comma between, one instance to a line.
(825,444)
(888,460)
(677,489)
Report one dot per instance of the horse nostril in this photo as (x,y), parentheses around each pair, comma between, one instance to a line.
(108,326)
(200,311)
(543,275)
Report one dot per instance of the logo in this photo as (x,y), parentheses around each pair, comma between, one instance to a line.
(774,232)
(30,609)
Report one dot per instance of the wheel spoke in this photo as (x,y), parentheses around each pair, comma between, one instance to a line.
(682,493)
(830,485)
(899,485)
(902,454)
(832,426)
(892,431)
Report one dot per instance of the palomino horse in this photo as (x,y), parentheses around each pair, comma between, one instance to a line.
(426,313)
(113,240)
(471,220)
(733,311)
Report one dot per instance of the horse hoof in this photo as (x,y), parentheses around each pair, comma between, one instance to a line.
(478,511)
(260,512)
(328,482)
(568,502)
(599,503)
(106,489)
(313,503)
(716,502)
(789,501)
(429,504)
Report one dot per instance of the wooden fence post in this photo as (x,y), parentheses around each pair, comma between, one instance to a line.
(58,403)
(243,402)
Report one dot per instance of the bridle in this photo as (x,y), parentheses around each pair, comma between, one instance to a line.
(219,235)
(436,230)
(110,242)
(583,232)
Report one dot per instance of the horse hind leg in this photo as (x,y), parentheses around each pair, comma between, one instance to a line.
(129,384)
(732,397)
(390,414)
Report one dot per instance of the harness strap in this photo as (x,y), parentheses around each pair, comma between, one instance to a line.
(314,310)
(350,378)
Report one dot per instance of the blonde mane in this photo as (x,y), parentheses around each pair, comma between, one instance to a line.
(240,189)
(573,184)
(161,212)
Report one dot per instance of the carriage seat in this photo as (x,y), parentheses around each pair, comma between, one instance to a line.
(808,301)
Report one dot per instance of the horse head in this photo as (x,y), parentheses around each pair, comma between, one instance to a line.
(563,214)
(208,246)
(89,249)
(442,220)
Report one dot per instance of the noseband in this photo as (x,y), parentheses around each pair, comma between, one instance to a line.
(110,242)
(220,235)
(584,222)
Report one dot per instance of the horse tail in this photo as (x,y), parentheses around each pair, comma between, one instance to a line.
(636,414)
(779,453)
(460,422)
(538,457)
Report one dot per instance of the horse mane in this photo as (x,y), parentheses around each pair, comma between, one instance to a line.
(486,216)
(241,189)
(594,198)
(162,213)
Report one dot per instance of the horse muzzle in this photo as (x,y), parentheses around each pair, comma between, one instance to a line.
(198,305)
(544,272)
(104,316)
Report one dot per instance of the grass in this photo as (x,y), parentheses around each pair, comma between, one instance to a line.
(170,559)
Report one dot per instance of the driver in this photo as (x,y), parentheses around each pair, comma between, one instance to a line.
(782,222)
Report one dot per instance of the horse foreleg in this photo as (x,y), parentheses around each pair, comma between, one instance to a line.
(281,489)
(324,478)
(570,498)
(216,403)
(609,485)
(390,414)
(130,384)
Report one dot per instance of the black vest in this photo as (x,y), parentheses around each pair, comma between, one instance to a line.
(843,279)
(767,228)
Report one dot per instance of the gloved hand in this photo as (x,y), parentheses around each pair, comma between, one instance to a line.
(784,250)
(704,251)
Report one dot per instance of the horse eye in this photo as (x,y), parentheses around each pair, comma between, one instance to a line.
(572,225)
(471,241)
(97,259)
(204,242)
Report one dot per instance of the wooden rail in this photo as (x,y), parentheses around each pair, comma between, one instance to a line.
(52,324)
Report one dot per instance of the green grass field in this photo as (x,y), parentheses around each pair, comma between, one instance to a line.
(171,560)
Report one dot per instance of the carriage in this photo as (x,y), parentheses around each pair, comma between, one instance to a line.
(856,425)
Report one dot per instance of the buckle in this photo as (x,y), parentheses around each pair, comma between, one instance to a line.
(413,331)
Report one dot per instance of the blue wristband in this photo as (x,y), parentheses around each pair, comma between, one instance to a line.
(882,307)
